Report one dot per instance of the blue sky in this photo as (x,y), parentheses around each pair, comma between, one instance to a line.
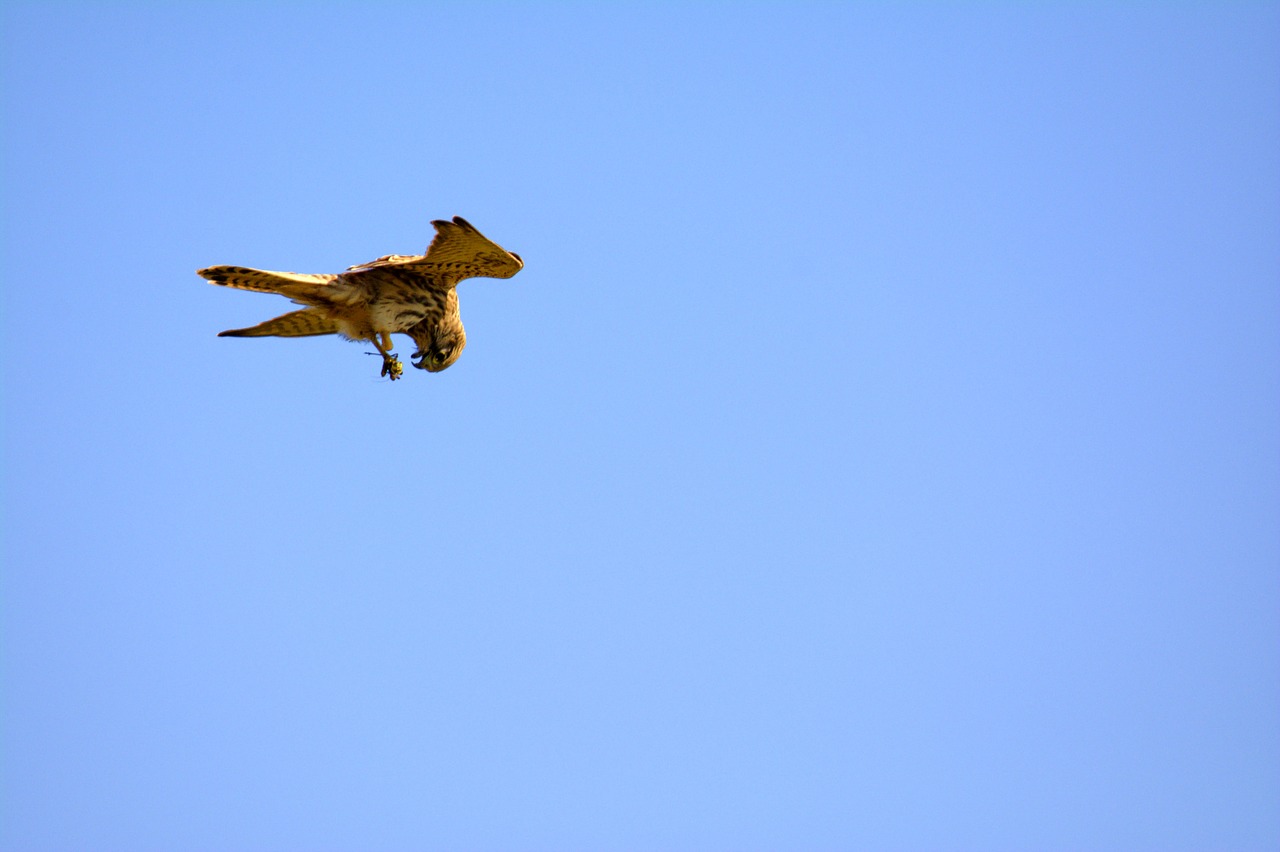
(879,450)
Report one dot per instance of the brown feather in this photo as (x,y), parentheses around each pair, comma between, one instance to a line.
(303,323)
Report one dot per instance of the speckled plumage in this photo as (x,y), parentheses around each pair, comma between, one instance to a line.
(395,294)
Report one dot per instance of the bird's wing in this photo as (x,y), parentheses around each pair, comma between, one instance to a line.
(263,281)
(386,260)
(458,251)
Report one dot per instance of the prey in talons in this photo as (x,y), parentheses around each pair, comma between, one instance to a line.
(391,366)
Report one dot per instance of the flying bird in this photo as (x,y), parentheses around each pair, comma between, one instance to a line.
(395,294)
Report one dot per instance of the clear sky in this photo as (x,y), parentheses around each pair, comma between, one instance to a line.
(879,450)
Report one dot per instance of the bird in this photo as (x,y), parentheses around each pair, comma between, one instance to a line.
(395,294)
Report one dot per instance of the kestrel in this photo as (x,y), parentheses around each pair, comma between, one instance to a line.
(396,294)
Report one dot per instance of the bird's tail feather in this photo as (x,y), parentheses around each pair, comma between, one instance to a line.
(303,323)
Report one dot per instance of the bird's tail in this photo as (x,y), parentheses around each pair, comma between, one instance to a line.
(261,281)
(303,323)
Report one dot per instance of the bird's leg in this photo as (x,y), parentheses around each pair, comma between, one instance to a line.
(391,366)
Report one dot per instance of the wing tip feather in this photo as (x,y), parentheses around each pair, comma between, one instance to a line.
(458,221)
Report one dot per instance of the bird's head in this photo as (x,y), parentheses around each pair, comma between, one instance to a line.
(437,351)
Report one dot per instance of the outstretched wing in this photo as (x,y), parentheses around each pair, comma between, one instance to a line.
(459,246)
(263,281)
(458,251)
(303,323)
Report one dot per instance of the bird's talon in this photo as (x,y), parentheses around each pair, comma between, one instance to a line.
(391,367)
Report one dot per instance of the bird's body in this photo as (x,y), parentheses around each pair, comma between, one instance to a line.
(410,294)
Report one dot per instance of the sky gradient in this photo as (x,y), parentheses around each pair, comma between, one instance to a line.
(879,450)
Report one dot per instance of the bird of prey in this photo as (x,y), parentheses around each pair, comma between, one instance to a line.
(395,294)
